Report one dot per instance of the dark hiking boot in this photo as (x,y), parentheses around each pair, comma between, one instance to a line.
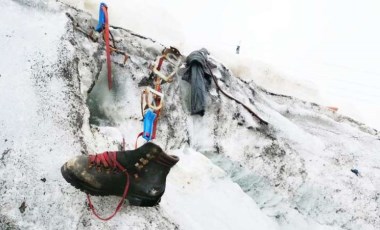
(107,173)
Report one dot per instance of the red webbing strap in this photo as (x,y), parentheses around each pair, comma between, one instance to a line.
(139,135)
(155,124)
(160,63)
(108,50)
(158,101)
(158,88)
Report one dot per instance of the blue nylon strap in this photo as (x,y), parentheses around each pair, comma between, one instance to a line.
(102,18)
(148,124)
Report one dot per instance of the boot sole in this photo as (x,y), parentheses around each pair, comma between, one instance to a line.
(133,199)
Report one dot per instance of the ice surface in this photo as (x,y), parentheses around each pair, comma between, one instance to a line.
(233,172)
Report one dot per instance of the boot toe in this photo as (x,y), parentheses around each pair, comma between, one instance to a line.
(76,172)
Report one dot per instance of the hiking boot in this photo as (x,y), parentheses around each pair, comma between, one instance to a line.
(139,175)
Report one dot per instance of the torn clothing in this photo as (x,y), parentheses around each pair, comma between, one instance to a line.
(197,73)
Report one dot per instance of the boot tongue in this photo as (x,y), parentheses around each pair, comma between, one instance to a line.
(149,151)
(129,158)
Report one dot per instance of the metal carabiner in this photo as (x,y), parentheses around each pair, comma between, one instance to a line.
(151,93)
(172,59)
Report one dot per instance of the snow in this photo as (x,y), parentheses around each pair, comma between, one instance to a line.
(308,50)
(233,172)
(200,196)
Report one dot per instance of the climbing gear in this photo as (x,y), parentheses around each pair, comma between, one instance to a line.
(159,101)
(151,104)
(152,100)
(149,118)
(173,57)
(137,175)
(103,26)
(76,25)
(102,18)
(236,100)
(94,37)
(126,56)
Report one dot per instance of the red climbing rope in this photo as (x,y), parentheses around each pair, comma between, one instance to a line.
(108,49)
(108,160)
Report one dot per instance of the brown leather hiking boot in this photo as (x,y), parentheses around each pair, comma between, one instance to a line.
(139,174)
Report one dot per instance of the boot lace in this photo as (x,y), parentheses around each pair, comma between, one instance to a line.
(108,160)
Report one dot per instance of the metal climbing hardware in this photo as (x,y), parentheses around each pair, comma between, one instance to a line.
(94,36)
(149,118)
(170,57)
(151,104)
(173,57)
(152,99)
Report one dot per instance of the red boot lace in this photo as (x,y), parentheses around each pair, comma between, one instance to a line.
(108,160)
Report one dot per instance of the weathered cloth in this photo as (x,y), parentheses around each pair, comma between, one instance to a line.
(198,75)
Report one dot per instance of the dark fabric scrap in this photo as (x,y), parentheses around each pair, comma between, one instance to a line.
(198,75)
